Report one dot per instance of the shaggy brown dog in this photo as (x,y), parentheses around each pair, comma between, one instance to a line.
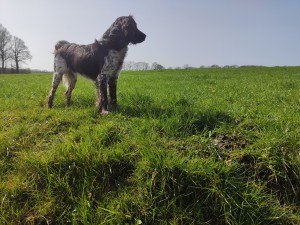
(100,61)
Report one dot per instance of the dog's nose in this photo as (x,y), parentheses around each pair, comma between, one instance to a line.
(143,37)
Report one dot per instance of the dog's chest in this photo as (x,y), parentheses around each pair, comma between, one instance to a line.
(113,62)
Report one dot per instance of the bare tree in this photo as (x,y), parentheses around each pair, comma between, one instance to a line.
(131,65)
(141,66)
(156,66)
(20,52)
(215,66)
(128,65)
(5,48)
(187,66)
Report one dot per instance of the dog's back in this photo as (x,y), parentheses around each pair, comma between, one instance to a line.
(83,59)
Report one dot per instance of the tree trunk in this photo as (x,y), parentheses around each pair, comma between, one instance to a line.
(2,67)
(17,66)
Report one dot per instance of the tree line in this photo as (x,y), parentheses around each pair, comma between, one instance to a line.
(12,50)
(131,65)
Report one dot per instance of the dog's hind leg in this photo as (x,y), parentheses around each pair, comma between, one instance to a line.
(69,80)
(60,67)
(57,77)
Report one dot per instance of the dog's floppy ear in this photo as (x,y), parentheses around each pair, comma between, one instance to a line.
(117,39)
(116,32)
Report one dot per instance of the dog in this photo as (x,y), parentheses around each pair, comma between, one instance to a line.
(100,61)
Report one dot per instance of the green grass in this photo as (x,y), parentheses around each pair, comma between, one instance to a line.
(199,146)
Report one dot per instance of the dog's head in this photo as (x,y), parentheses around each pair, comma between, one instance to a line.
(122,32)
(131,32)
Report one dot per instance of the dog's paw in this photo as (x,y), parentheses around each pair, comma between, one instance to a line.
(104,112)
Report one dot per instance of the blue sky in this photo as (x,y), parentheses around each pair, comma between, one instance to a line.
(194,32)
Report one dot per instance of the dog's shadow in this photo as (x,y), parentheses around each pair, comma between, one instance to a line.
(182,116)
(182,113)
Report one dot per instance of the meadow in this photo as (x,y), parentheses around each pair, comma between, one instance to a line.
(194,146)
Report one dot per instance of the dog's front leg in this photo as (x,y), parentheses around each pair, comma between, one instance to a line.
(112,87)
(101,84)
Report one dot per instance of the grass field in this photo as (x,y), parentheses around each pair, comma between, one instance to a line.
(198,146)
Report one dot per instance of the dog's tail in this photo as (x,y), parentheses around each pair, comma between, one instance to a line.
(60,44)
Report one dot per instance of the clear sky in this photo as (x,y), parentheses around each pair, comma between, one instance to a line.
(193,32)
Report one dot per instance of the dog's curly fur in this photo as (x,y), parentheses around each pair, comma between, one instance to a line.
(100,61)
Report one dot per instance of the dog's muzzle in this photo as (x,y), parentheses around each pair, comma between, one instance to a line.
(140,37)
